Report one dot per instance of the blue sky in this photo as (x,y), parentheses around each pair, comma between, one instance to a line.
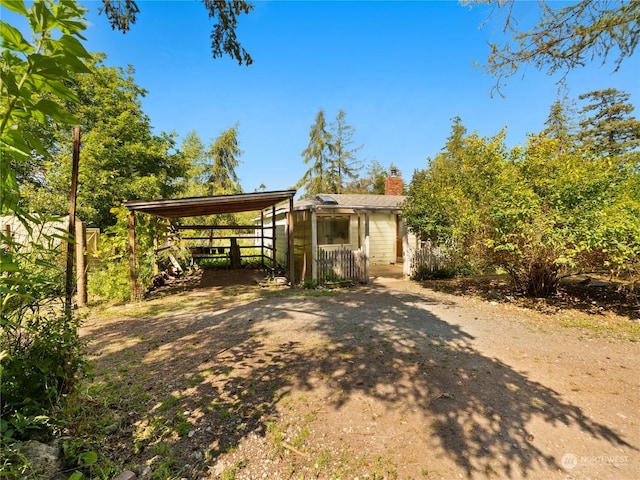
(400,70)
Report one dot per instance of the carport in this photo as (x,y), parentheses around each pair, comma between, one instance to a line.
(215,205)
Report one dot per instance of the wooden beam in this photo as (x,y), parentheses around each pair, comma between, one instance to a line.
(81,264)
(314,246)
(290,241)
(72,223)
(262,235)
(216,227)
(273,238)
(133,274)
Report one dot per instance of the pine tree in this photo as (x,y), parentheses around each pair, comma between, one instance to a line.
(607,127)
(343,164)
(317,153)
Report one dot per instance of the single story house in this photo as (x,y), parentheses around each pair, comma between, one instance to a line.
(364,229)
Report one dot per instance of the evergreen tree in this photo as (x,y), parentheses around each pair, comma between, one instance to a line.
(607,126)
(566,36)
(224,153)
(343,164)
(121,14)
(373,180)
(317,153)
(561,124)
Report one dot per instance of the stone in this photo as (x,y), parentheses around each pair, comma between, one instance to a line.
(44,460)
(126,475)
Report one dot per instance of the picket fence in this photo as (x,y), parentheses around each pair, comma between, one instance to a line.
(429,257)
(342,264)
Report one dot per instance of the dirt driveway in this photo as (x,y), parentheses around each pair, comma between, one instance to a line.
(391,380)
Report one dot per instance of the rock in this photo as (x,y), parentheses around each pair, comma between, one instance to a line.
(126,475)
(146,473)
(44,460)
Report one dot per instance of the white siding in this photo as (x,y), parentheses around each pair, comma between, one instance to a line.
(382,239)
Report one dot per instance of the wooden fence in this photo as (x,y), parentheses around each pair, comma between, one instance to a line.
(429,257)
(342,264)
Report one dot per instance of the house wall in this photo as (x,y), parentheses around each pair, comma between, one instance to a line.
(382,239)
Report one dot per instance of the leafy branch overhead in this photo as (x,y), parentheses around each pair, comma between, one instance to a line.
(123,13)
(565,37)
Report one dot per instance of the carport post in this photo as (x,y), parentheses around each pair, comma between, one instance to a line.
(314,246)
(133,274)
(290,240)
(274,265)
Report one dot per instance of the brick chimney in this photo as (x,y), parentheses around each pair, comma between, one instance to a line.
(393,184)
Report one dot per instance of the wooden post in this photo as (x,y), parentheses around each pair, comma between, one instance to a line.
(155,247)
(291,244)
(262,237)
(81,264)
(133,274)
(6,237)
(314,246)
(273,238)
(366,246)
(72,224)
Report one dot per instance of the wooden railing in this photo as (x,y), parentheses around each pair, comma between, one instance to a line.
(342,264)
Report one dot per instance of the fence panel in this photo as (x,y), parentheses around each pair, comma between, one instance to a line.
(342,264)
(429,257)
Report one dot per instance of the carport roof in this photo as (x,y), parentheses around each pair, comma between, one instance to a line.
(215,205)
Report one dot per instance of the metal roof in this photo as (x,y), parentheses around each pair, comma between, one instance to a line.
(215,205)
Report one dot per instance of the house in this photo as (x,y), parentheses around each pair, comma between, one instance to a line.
(330,229)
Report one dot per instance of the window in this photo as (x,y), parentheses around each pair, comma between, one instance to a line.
(333,230)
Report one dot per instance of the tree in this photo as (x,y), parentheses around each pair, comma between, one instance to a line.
(343,164)
(224,153)
(318,151)
(607,125)
(39,346)
(538,212)
(331,154)
(121,14)
(373,180)
(561,123)
(566,37)
(121,158)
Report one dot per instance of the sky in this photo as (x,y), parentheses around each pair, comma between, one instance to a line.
(400,70)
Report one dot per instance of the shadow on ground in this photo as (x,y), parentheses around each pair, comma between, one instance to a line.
(208,370)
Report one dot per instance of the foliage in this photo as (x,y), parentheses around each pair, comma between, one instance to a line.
(372,181)
(31,69)
(224,153)
(40,353)
(317,154)
(538,212)
(122,13)
(343,164)
(331,155)
(566,36)
(607,125)
(111,281)
(121,158)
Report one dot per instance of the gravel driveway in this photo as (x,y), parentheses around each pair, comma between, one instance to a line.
(391,380)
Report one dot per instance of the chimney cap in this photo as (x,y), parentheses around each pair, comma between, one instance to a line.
(393,171)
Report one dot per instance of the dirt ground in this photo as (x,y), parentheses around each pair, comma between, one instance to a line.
(395,379)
